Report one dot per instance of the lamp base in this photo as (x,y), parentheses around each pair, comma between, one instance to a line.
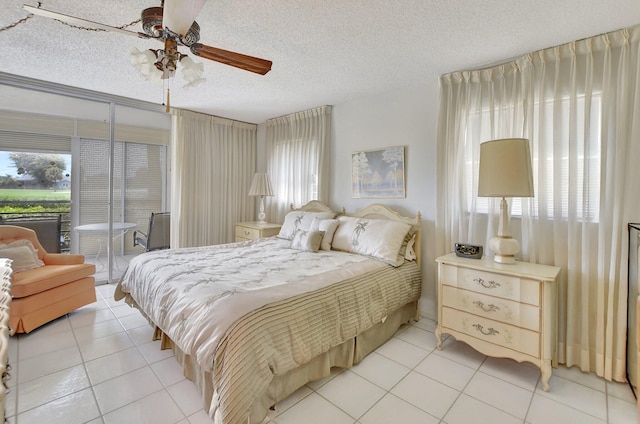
(261,214)
(504,248)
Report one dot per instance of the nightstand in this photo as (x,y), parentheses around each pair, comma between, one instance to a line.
(501,310)
(255,230)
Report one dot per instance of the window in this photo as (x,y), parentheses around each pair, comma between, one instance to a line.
(296,163)
(564,174)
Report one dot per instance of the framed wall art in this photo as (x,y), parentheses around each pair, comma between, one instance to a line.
(378,173)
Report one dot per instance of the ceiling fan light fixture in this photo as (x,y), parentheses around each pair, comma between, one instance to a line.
(191,71)
(168,58)
(174,23)
(144,61)
(155,66)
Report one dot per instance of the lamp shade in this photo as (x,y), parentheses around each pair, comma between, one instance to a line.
(261,185)
(505,168)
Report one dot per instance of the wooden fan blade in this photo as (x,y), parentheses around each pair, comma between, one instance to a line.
(71,20)
(248,63)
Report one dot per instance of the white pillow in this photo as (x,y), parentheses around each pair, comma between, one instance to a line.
(300,220)
(308,241)
(23,255)
(329,227)
(379,238)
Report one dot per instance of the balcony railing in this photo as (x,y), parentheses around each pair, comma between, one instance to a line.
(62,209)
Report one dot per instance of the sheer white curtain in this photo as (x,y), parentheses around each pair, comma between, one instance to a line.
(579,104)
(213,162)
(297,148)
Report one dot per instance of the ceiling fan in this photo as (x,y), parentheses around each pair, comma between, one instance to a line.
(174,24)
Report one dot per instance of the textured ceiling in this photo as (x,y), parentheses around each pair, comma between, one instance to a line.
(323,52)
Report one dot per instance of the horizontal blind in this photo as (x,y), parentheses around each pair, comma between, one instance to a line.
(22,141)
(37,124)
(140,179)
(145,182)
(93,193)
(100,131)
(55,126)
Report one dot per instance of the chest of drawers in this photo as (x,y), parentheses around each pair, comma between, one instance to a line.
(255,230)
(501,310)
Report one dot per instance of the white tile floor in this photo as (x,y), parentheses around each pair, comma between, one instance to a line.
(98,365)
(102,271)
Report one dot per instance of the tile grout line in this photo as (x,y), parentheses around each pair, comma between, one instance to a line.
(84,364)
(533,395)
(147,364)
(461,392)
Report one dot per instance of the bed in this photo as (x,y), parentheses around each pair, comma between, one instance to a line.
(251,322)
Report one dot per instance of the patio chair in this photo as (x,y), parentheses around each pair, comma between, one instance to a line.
(157,235)
(47,228)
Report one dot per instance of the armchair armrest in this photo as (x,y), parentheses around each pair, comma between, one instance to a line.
(60,259)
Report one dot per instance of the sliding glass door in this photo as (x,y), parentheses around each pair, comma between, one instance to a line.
(119,163)
(139,188)
(127,176)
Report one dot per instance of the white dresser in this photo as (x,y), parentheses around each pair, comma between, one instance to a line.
(501,310)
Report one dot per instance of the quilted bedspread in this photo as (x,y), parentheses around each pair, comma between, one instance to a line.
(195,294)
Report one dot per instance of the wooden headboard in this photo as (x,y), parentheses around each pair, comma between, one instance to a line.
(313,206)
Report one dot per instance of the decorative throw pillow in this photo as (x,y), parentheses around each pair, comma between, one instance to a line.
(379,238)
(410,253)
(329,227)
(300,220)
(23,255)
(308,241)
(409,239)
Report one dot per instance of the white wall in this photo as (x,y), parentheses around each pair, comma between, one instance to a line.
(405,117)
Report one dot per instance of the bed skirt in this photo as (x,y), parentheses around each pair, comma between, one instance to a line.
(345,355)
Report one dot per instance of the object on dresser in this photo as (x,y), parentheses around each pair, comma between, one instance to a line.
(470,251)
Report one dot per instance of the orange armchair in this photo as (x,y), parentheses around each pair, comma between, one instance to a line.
(42,294)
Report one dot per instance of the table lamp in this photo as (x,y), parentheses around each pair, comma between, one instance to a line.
(505,171)
(261,186)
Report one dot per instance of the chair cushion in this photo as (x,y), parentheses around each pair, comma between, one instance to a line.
(44,278)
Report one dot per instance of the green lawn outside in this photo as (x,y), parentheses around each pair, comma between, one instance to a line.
(7,194)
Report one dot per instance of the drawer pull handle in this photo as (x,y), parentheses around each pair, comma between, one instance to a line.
(489,332)
(246,233)
(487,284)
(488,308)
